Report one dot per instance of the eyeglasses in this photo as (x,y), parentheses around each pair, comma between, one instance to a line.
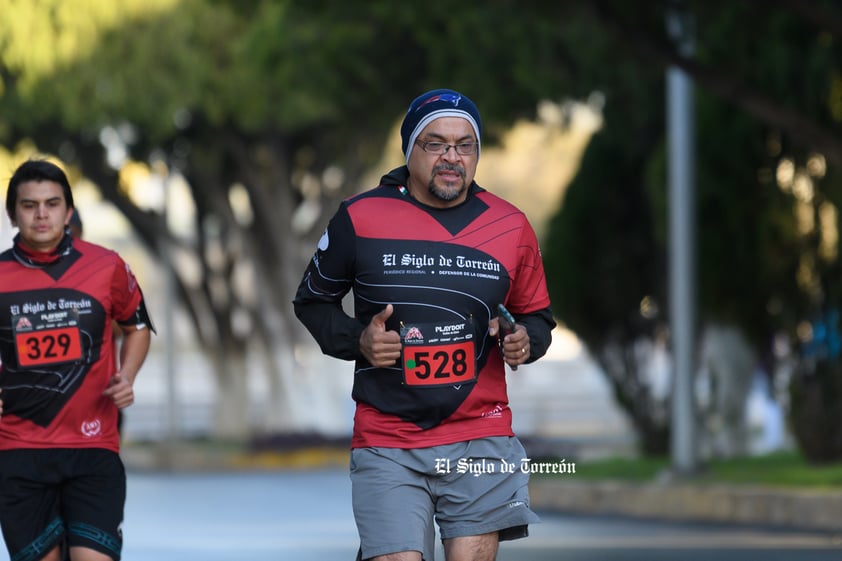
(464,149)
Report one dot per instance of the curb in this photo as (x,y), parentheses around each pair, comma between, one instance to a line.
(803,509)
(196,458)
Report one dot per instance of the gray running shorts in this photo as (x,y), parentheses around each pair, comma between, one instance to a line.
(468,488)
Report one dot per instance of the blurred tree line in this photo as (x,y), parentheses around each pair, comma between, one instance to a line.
(768,106)
(290,103)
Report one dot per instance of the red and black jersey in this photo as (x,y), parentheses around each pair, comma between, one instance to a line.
(444,271)
(56,346)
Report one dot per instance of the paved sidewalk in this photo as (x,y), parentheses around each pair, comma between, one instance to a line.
(804,509)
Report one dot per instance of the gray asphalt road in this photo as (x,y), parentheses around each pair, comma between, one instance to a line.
(306,516)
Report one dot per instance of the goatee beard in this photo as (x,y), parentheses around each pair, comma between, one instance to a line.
(447,195)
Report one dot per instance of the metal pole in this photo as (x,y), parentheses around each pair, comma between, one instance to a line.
(173,416)
(681,173)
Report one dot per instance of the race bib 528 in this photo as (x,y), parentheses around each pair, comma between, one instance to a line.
(438,354)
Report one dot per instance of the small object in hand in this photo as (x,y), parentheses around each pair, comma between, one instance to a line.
(507,325)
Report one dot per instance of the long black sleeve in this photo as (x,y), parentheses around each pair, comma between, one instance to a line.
(540,326)
(328,278)
(337,334)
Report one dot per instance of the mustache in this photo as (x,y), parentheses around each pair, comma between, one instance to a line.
(449,167)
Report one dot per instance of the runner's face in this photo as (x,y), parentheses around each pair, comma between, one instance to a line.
(41,214)
(442,180)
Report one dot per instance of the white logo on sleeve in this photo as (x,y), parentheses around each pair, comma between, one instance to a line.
(324,241)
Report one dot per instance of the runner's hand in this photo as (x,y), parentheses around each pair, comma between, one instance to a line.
(380,347)
(515,347)
(120,391)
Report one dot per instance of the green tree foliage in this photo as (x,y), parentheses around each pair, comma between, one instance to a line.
(816,409)
(604,263)
(765,102)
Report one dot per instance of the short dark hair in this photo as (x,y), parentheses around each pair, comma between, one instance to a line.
(36,170)
(76,221)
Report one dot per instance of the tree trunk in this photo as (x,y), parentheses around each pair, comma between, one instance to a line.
(231,421)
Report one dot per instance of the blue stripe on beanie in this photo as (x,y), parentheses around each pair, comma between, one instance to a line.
(433,105)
